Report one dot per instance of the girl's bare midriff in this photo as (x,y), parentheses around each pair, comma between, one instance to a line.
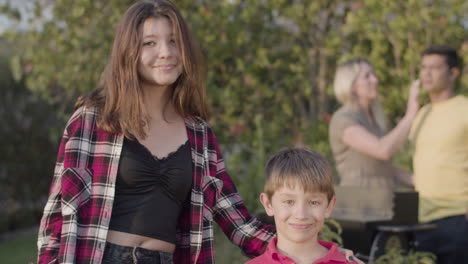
(131,240)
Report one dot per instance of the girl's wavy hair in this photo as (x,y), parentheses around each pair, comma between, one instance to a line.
(119,98)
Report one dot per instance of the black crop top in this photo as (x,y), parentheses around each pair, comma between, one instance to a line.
(150,192)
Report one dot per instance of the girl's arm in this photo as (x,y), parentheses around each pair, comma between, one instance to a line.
(243,229)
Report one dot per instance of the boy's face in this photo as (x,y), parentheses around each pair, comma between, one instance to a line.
(299,216)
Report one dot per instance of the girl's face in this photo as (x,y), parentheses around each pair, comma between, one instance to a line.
(365,84)
(159,64)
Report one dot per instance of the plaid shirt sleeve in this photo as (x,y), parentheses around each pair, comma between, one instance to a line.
(51,223)
(244,230)
(76,217)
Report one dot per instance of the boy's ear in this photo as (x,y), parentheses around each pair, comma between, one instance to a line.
(330,207)
(266,202)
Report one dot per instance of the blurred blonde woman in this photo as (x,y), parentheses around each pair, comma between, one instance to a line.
(362,145)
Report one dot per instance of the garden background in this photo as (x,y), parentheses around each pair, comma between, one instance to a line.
(270,66)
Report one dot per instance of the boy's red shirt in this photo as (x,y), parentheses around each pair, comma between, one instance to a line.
(272,255)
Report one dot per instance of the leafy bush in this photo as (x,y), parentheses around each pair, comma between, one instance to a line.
(331,231)
(400,256)
(18,218)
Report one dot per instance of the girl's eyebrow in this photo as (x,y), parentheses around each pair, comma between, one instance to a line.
(151,35)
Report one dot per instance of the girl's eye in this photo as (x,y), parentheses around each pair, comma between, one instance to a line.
(173,41)
(149,43)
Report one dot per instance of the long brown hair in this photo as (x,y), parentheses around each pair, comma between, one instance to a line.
(120,98)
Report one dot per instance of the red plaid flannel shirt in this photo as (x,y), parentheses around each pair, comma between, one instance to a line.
(76,217)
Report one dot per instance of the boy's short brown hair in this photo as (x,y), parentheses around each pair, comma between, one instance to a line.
(301,166)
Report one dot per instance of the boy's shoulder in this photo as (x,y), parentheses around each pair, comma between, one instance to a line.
(262,259)
(333,256)
(267,256)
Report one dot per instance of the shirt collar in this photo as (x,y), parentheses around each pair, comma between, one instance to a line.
(333,253)
(272,251)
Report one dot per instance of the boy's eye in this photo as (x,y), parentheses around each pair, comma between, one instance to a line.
(314,202)
(289,202)
(173,41)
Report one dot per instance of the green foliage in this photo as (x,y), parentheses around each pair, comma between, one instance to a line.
(27,149)
(400,256)
(270,60)
(392,35)
(331,231)
(13,218)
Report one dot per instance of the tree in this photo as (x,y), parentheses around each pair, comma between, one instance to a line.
(27,149)
(270,63)
(393,34)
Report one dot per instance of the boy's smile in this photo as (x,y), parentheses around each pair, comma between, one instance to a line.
(299,216)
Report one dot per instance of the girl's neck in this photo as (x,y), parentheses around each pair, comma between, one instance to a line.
(157,102)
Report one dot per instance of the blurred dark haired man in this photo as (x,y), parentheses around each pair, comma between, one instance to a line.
(440,137)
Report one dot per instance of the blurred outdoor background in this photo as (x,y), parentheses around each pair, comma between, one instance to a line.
(270,67)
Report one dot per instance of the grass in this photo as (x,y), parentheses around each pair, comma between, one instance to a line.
(19,250)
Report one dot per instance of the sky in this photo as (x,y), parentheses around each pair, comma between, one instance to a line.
(25,8)
(5,23)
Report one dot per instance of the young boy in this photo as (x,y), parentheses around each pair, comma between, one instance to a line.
(299,194)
